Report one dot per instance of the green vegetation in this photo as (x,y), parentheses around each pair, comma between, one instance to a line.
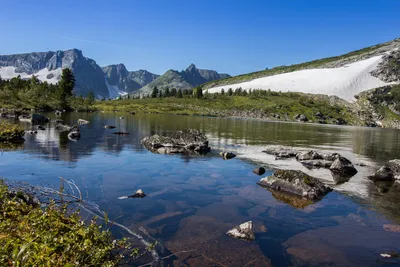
(285,69)
(53,236)
(254,104)
(10,132)
(18,93)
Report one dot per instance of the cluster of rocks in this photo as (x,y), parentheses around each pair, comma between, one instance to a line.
(186,142)
(388,69)
(312,159)
(34,119)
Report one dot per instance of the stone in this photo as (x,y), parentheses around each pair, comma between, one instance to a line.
(121,133)
(138,194)
(109,127)
(31,132)
(281,152)
(310,155)
(259,170)
(344,166)
(316,163)
(34,118)
(186,142)
(39,127)
(66,128)
(383,174)
(301,118)
(243,231)
(82,122)
(297,183)
(74,135)
(227,155)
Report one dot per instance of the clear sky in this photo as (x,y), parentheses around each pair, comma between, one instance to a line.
(226,35)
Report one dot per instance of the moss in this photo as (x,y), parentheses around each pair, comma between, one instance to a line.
(10,132)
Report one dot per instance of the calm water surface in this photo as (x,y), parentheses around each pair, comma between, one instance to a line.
(192,201)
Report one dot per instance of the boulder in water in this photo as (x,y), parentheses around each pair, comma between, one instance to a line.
(259,170)
(186,141)
(34,118)
(309,155)
(82,122)
(297,183)
(243,231)
(344,166)
(227,155)
(109,127)
(389,172)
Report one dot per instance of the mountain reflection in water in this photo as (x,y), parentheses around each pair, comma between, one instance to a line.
(193,200)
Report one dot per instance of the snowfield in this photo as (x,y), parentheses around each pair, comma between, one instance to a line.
(114,91)
(9,72)
(344,82)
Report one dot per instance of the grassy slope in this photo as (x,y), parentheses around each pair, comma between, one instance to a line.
(285,69)
(238,106)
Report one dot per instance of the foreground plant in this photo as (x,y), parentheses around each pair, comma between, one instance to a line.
(10,132)
(53,236)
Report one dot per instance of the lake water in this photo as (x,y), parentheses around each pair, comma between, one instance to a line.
(192,201)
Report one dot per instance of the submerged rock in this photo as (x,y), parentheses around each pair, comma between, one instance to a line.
(243,231)
(227,155)
(297,183)
(34,118)
(74,135)
(389,172)
(109,127)
(121,133)
(39,127)
(259,170)
(186,141)
(281,152)
(316,163)
(138,194)
(82,122)
(343,166)
(66,128)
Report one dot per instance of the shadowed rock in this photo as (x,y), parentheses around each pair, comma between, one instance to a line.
(82,122)
(227,155)
(243,231)
(259,170)
(74,135)
(297,183)
(121,133)
(389,172)
(109,127)
(186,141)
(343,166)
(316,163)
(66,128)
(34,118)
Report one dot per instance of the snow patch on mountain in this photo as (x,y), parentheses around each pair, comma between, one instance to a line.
(44,75)
(114,91)
(344,82)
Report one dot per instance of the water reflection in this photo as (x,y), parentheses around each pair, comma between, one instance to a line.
(193,200)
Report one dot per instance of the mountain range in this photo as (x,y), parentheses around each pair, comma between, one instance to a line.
(106,82)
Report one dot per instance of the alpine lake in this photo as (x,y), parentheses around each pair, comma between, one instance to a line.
(193,200)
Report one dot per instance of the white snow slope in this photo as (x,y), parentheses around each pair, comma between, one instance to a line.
(9,72)
(114,91)
(344,82)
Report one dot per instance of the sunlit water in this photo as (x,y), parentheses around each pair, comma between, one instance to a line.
(193,200)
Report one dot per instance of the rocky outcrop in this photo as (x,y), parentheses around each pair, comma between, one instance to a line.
(243,231)
(301,118)
(309,155)
(388,69)
(297,183)
(34,118)
(186,141)
(389,172)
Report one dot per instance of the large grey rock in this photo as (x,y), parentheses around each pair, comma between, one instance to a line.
(66,128)
(317,163)
(186,141)
(343,166)
(389,172)
(34,118)
(297,183)
(243,231)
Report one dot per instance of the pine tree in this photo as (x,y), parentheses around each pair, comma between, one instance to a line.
(154,93)
(90,97)
(230,92)
(197,92)
(180,95)
(173,92)
(65,87)
(167,92)
(222,91)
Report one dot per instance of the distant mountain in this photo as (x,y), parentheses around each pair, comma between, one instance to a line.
(107,82)
(186,79)
(47,66)
(120,81)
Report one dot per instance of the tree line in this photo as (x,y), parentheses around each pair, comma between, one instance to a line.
(32,93)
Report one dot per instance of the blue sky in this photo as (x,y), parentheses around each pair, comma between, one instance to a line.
(226,35)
